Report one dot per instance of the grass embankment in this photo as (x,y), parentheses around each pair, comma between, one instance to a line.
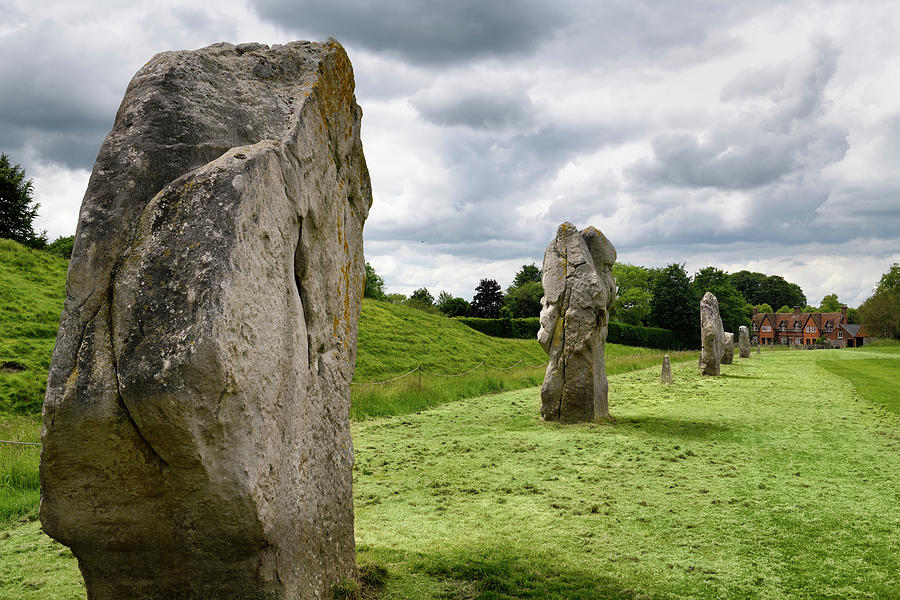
(32,290)
(395,340)
(775,480)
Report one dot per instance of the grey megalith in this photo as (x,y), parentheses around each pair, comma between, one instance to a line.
(579,292)
(196,422)
(712,335)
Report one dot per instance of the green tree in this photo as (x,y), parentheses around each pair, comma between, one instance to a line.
(62,246)
(785,309)
(455,307)
(524,300)
(881,312)
(527,274)
(777,292)
(634,293)
(421,299)
(374,284)
(488,300)
(763,308)
(750,285)
(17,212)
(396,298)
(733,308)
(675,305)
(830,303)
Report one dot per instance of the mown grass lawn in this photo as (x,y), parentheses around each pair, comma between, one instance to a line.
(775,480)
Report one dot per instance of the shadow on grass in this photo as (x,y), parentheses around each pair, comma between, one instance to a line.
(499,573)
(676,428)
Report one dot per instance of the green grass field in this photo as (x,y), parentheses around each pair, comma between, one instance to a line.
(778,479)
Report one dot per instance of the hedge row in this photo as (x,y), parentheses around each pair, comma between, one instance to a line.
(504,328)
(619,333)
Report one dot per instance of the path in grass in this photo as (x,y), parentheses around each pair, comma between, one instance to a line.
(773,481)
(776,480)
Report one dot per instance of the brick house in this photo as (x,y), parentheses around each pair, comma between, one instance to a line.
(803,329)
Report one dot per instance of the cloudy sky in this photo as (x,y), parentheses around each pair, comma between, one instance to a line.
(756,135)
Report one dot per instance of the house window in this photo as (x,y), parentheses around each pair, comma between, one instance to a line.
(840,334)
(796,325)
(810,329)
(754,327)
(767,328)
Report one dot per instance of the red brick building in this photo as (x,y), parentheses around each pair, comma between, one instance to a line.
(803,329)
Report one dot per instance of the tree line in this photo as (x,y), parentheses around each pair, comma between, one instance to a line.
(666,297)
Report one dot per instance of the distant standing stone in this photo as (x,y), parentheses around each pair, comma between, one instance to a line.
(196,424)
(758,349)
(666,376)
(728,350)
(712,335)
(579,292)
(744,341)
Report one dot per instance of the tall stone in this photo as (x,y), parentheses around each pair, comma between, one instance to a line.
(665,377)
(579,292)
(196,439)
(728,349)
(744,341)
(712,335)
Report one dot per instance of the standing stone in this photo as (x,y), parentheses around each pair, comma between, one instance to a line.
(758,349)
(712,335)
(196,439)
(579,292)
(728,350)
(744,341)
(665,377)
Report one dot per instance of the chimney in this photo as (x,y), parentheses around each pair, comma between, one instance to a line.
(844,314)
(755,310)
(796,311)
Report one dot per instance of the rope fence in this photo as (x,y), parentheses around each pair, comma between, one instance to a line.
(20,443)
(421,369)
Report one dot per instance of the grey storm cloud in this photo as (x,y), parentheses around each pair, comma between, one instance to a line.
(422,32)
(478,109)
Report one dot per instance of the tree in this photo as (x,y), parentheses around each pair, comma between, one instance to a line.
(17,213)
(488,300)
(634,293)
(733,308)
(374,284)
(881,312)
(455,307)
(524,300)
(830,304)
(675,305)
(421,299)
(62,246)
(763,308)
(396,298)
(777,292)
(750,285)
(785,309)
(527,274)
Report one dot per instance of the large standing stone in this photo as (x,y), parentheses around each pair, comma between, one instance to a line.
(728,350)
(195,429)
(579,292)
(744,341)
(712,335)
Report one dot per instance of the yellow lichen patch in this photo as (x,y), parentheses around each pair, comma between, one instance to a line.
(72,378)
(557,334)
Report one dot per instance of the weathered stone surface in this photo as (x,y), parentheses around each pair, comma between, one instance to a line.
(665,377)
(195,428)
(712,335)
(728,349)
(579,292)
(758,349)
(744,341)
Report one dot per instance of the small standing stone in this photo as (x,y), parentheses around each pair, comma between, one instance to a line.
(728,352)
(665,377)
(744,341)
(758,350)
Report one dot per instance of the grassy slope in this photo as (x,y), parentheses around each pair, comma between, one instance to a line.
(773,481)
(32,289)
